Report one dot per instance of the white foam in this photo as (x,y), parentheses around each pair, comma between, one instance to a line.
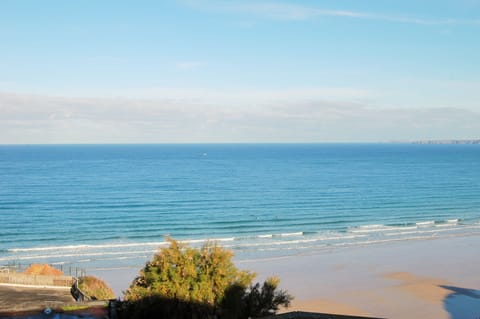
(426,224)
(193,241)
(360,235)
(371,229)
(374,226)
(91,254)
(428,231)
(297,241)
(84,247)
(341,237)
(403,228)
(280,235)
(206,240)
(380,241)
(275,243)
(265,236)
(123,258)
(450,225)
(292,234)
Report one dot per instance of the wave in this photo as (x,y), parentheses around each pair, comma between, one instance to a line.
(380,228)
(435,230)
(83,247)
(265,236)
(90,254)
(448,223)
(294,234)
(115,245)
(206,240)
(426,223)
(246,244)
(291,234)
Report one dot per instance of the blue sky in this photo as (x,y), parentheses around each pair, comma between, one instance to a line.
(238,71)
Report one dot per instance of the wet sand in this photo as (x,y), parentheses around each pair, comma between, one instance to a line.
(435,279)
(415,279)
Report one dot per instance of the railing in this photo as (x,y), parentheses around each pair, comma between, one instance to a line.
(77,293)
(66,269)
(13,273)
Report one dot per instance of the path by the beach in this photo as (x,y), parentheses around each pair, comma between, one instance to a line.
(15,298)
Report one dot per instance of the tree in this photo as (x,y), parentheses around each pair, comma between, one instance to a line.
(256,301)
(184,282)
(265,300)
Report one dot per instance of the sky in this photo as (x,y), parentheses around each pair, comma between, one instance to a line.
(90,71)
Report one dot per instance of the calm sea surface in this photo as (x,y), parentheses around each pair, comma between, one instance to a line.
(101,206)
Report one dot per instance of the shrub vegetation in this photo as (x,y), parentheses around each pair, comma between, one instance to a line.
(95,288)
(43,269)
(184,282)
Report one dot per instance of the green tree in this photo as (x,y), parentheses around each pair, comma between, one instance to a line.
(265,300)
(188,274)
(256,301)
(184,282)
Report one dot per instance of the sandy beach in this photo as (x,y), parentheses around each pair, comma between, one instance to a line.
(435,279)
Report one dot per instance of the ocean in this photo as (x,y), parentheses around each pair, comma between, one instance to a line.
(112,206)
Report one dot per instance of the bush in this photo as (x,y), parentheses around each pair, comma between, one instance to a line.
(43,269)
(183,282)
(265,300)
(95,288)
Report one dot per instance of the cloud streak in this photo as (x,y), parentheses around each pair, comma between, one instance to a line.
(248,96)
(284,11)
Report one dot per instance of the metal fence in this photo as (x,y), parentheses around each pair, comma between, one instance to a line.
(13,273)
(67,270)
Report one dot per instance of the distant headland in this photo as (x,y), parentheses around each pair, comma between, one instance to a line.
(473,141)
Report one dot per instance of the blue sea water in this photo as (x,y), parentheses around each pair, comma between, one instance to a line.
(107,206)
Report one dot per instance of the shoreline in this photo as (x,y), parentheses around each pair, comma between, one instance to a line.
(436,278)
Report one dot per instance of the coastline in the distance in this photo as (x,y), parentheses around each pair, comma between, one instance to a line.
(472,141)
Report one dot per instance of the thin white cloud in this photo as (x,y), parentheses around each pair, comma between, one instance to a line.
(248,96)
(46,119)
(285,11)
(188,65)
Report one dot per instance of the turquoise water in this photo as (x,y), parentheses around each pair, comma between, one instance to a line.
(101,206)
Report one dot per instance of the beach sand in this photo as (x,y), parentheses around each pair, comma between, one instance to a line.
(438,278)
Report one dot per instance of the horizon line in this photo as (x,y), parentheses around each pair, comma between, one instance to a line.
(431,141)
